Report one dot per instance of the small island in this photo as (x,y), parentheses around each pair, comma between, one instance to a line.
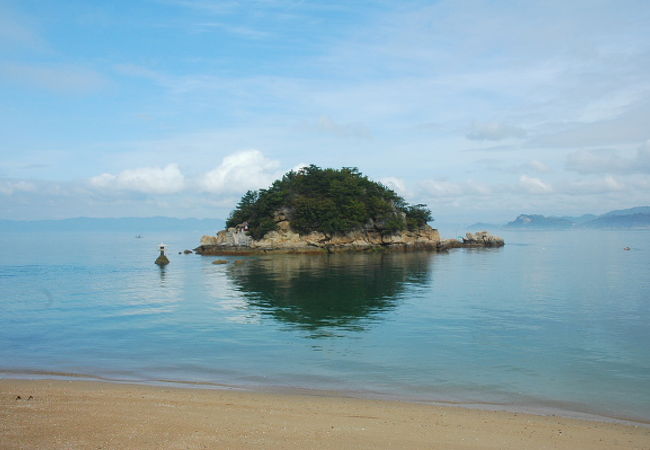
(316,210)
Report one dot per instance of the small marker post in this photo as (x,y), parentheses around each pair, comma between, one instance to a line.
(162,259)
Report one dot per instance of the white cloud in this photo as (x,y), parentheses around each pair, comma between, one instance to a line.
(494,131)
(241,171)
(629,127)
(594,161)
(609,161)
(443,188)
(299,166)
(11,187)
(396,184)
(150,180)
(440,188)
(603,185)
(534,185)
(538,166)
(508,166)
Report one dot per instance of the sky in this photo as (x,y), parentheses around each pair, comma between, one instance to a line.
(482,110)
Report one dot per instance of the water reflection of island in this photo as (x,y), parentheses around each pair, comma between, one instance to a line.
(314,292)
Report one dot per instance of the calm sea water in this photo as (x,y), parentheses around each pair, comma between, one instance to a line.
(554,321)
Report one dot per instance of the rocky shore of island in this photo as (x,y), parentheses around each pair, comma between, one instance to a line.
(237,241)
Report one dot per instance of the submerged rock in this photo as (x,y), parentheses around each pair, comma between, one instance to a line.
(220,261)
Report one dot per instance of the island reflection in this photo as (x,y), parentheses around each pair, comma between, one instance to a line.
(314,292)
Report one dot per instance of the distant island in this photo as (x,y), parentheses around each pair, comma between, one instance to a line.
(315,210)
(631,218)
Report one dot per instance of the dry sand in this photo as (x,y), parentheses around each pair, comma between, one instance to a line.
(80,414)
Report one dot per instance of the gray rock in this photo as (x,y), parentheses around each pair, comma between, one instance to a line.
(482,239)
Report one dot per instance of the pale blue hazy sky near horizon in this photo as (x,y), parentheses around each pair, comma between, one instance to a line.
(481,109)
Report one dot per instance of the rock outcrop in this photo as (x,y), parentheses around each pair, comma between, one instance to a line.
(482,239)
(235,241)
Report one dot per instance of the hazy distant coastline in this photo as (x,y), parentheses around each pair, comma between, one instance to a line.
(631,218)
(126,224)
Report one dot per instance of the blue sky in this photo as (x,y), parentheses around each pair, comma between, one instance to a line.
(481,109)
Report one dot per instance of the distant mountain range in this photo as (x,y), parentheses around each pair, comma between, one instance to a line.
(637,218)
(134,225)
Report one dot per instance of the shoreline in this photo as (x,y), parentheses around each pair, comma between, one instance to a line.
(541,408)
(65,414)
(441,246)
(236,241)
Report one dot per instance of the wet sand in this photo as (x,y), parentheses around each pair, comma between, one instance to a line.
(84,414)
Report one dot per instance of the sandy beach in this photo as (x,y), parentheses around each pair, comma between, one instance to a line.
(83,414)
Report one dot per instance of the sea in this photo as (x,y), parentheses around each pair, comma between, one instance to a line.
(555,322)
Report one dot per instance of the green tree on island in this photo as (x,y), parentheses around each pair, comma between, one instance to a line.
(327,200)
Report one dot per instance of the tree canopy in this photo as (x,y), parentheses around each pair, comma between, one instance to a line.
(327,200)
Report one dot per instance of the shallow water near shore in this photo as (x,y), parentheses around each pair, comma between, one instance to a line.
(555,321)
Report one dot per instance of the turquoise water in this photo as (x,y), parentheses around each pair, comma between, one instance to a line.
(554,321)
